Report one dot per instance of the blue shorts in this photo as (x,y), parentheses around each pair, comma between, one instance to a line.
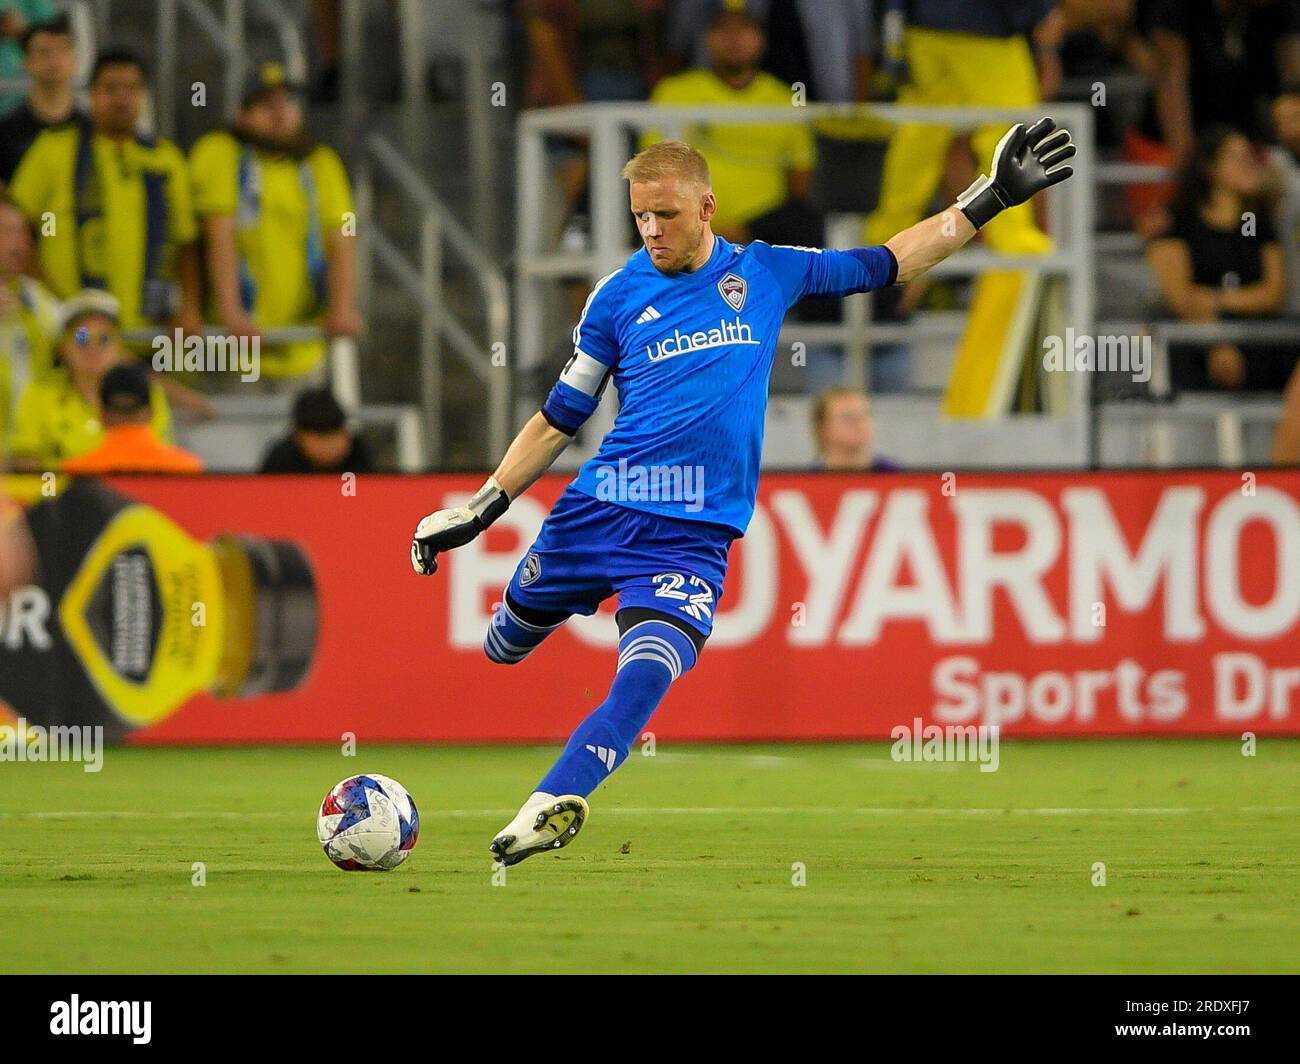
(589,549)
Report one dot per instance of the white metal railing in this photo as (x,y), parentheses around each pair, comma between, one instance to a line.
(273,412)
(606,125)
(423,282)
(345,383)
(344,371)
(1119,173)
(1226,417)
(1228,414)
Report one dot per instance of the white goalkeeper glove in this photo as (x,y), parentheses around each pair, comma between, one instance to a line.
(447,529)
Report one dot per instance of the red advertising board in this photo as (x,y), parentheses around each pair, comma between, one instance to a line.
(1050,604)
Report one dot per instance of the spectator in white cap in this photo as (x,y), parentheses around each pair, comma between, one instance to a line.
(58,415)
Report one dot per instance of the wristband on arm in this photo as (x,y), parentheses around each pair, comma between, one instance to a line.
(488,503)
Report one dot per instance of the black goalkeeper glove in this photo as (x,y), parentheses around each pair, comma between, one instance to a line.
(448,529)
(1024,163)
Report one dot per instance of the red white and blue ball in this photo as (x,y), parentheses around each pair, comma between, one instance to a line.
(368,824)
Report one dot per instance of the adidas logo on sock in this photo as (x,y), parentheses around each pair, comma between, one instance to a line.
(649,314)
(605,754)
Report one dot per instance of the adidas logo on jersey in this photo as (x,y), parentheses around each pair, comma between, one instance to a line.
(649,314)
(606,755)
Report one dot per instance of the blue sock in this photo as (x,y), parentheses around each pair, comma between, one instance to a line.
(651,655)
(510,638)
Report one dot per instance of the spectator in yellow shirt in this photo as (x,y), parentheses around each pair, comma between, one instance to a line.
(112,208)
(762,174)
(966,55)
(29,317)
(58,415)
(276,213)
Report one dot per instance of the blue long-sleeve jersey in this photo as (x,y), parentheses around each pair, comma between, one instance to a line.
(690,355)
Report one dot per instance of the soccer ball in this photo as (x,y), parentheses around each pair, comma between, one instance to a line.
(368,824)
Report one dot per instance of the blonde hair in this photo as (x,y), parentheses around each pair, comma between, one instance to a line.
(822,406)
(668,158)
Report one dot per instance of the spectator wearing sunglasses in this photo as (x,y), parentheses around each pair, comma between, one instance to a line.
(58,415)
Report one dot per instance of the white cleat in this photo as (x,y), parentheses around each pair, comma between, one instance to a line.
(546,822)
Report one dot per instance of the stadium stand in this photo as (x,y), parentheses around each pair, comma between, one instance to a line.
(437,360)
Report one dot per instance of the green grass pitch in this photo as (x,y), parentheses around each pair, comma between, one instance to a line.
(687,863)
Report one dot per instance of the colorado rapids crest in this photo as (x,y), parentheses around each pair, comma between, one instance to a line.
(733,290)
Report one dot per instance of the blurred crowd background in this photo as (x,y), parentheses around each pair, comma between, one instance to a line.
(157,183)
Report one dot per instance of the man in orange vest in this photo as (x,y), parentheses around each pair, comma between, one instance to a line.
(130,443)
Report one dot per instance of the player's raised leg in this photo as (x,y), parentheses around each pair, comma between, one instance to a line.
(654,649)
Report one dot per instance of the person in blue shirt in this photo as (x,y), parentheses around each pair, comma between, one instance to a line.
(687,331)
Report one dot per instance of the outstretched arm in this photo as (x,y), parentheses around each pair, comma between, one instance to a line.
(1025,162)
(930,240)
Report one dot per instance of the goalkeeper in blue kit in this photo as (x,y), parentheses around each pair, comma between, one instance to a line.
(687,331)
